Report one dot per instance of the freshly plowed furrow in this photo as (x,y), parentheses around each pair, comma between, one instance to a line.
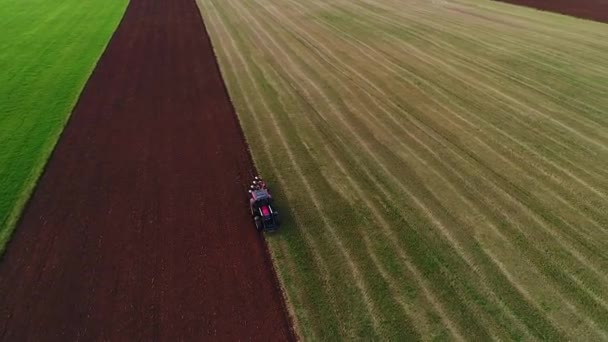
(139,228)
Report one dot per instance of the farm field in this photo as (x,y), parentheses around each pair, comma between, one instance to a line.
(443,165)
(44,65)
(138,229)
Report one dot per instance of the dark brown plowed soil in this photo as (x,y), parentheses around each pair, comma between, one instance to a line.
(587,9)
(138,229)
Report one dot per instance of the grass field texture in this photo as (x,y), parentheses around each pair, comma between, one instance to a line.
(442,165)
(48,49)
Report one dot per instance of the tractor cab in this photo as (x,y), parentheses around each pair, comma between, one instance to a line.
(261,196)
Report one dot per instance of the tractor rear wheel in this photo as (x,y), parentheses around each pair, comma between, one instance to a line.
(259,226)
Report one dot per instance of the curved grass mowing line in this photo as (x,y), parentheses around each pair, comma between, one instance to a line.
(47,52)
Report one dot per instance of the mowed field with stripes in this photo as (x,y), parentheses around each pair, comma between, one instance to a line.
(441,166)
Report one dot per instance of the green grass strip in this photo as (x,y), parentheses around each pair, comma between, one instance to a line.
(48,49)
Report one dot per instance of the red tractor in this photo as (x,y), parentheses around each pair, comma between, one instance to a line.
(266,218)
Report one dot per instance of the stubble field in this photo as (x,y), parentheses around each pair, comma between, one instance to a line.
(443,166)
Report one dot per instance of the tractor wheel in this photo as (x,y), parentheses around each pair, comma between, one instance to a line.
(277,220)
(259,226)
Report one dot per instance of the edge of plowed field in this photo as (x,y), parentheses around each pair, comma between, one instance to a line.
(586,11)
(16,213)
(268,260)
(287,307)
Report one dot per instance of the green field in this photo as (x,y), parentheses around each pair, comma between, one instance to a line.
(47,52)
(442,165)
